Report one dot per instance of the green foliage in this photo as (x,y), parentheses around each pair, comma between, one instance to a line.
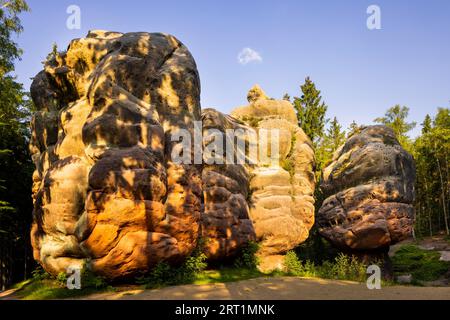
(15,161)
(293,266)
(39,274)
(9,26)
(288,165)
(52,289)
(431,152)
(353,129)
(423,265)
(395,118)
(90,280)
(331,141)
(347,268)
(163,274)
(62,278)
(53,54)
(426,124)
(247,257)
(316,248)
(342,268)
(311,111)
(43,286)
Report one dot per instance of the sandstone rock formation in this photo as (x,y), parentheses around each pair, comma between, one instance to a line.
(106,191)
(109,194)
(226,225)
(281,201)
(370,189)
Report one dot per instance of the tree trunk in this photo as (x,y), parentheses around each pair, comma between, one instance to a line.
(444,203)
(428,206)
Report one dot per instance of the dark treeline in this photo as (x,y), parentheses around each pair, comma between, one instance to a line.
(15,163)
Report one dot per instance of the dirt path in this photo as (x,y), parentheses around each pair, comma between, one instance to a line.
(286,288)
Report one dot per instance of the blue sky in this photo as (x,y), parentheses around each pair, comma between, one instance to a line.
(360,72)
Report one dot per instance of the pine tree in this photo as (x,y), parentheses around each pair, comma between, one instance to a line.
(335,135)
(395,118)
(353,128)
(311,111)
(426,124)
(15,162)
(287,97)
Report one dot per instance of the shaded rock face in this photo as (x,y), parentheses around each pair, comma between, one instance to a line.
(226,224)
(106,191)
(281,194)
(370,189)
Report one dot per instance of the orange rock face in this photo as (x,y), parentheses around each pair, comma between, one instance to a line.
(107,193)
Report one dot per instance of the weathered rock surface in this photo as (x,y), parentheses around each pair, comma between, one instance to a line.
(370,189)
(108,194)
(106,191)
(281,200)
(226,225)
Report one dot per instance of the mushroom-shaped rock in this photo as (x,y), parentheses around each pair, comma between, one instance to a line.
(370,189)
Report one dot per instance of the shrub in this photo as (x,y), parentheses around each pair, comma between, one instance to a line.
(40,274)
(163,274)
(423,265)
(295,267)
(90,280)
(289,166)
(292,264)
(345,268)
(247,257)
(62,278)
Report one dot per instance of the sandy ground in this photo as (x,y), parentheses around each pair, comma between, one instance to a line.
(282,288)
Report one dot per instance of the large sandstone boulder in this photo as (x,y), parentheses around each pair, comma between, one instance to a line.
(106,191)
(281,192)
(370,189)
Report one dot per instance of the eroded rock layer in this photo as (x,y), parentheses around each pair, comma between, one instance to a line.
(370,189)
(226,225)
(281,200)
(106,191)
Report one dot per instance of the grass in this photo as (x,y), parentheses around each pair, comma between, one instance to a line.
(228,274)
(43,286)
(51,289)
(45,289)
(343,267)
(423,265)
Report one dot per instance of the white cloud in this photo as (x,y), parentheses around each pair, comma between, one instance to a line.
(248,55)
